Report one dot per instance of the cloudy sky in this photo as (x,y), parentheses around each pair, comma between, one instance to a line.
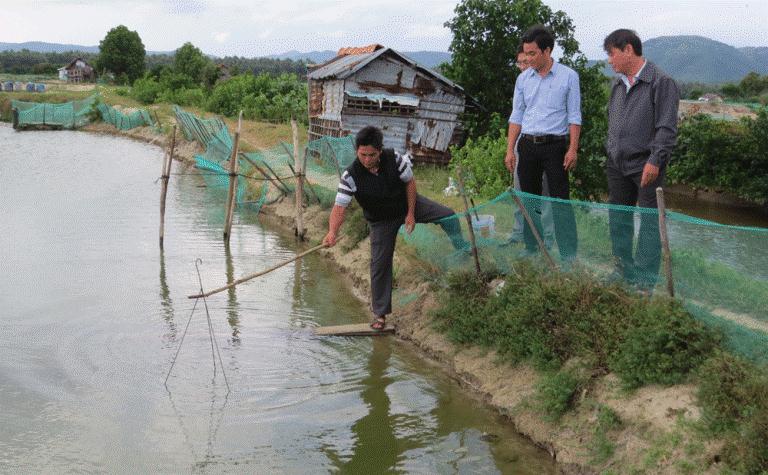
(262,27)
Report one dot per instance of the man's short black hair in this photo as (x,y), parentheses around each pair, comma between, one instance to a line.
(370,135)
(541,35)
(621,38)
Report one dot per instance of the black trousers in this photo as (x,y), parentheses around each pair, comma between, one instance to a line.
(383,238)
(641,266)
(535,161)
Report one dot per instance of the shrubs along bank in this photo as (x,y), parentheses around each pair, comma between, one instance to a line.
(575,331)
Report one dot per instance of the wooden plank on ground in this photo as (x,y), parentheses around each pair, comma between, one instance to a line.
(358,329)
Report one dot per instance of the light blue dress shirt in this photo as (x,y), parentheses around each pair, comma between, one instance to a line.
(547,105)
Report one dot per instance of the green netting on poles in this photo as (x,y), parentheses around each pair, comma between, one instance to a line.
(214,162)
(122,121)
(69,115)
(720,272)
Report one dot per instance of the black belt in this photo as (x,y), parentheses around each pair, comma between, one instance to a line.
(540,139)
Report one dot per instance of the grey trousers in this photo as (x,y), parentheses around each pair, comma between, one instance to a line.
(383,238)
(639,266)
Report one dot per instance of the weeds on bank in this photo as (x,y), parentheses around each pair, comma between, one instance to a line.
(548,319)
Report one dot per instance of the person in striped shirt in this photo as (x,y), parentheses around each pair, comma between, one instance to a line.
(382,182)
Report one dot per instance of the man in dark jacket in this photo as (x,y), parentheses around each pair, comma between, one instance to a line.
(382,182)
(642,132)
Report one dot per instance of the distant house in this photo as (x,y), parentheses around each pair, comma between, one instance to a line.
(77,71)
(711,97)
(417,108)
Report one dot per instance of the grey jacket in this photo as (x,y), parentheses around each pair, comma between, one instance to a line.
(642,124)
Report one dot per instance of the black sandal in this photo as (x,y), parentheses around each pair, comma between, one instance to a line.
(379,324)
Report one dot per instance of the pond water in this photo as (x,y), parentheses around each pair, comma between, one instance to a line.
(92,313)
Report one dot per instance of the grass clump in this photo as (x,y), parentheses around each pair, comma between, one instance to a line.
(557,392)
(602,447)
(663,345)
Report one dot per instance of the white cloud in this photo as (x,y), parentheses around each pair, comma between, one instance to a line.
(221,37)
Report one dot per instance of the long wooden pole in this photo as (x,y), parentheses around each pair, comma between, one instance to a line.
(665,241)
(283,189)
(233,160)
(299,181)
(535,231)
(258,274)
(165,177)
(469,220)
(304,167)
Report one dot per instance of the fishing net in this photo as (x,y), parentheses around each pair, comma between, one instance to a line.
(213,163)
(719,272)
(123,121)
(69,115)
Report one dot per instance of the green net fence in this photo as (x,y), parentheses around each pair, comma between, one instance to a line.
(123,121)
(213,163)
(720,272)
(69,115)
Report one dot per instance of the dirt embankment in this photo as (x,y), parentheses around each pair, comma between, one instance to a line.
(653,437)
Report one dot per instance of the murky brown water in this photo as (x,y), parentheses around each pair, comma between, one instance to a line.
(91,314)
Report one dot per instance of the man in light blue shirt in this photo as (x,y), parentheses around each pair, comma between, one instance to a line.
(546,116)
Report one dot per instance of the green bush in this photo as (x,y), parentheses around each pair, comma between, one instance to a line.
(183,97)
(727,391)
(261,97)
(664,344)
(556,393)
(146,90)
(482,163)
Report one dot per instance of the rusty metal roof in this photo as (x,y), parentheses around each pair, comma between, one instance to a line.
(359,50)
(341,67)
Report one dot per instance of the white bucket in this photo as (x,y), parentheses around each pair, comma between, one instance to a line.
(484,224)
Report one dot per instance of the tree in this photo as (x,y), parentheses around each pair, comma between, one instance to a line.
(189,60)
(122,53)
(486,35)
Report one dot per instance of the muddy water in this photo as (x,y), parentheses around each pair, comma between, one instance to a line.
(92,313)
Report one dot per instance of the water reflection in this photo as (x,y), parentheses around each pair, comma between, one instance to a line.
(233,312)
(166,303)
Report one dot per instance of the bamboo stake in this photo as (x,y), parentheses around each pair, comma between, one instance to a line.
(304,167)
(232,182)
(535,231)
(665,241)
(299,182)
(287,188)
(469,220)
(165,177)
(258,274)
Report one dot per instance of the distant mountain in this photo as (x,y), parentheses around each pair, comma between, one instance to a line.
(759,56)
(429,59)
(41,47)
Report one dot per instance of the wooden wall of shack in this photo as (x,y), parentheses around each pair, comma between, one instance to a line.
(425,131)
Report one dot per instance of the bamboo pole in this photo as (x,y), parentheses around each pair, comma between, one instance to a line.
(165,177)
(299,181)
(535,231)
(232,182)
(258,274)
(665,241)
(304,167)
(469,221)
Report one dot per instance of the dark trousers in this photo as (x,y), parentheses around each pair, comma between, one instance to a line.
(535,161)
(641,266)
(383,237)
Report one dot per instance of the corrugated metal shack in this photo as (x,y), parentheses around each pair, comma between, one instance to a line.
(417,108)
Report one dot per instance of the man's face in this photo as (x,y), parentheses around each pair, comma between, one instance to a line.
(537,59)
(369,156)
(620,59)
(522,61)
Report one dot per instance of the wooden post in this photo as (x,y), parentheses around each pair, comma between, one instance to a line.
(299,191)
(469,220)
(232,182)
(535,231)
(165,177)
(304,167)
(665,241)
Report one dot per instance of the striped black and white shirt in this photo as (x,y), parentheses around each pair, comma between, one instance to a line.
(348,188)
